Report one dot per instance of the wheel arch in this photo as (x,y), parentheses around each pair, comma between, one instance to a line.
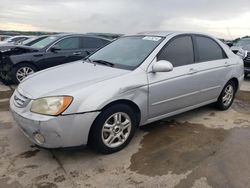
(26,62)
(130,103)
(236,82)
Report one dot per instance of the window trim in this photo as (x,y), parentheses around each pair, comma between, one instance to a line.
(173,38)
(196,52)
(55,42)
(79,46)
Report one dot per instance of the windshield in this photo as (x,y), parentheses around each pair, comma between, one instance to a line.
(45,42)
(127,52)
(27,41)
(243,42)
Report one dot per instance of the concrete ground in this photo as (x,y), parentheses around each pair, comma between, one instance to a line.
(201,148)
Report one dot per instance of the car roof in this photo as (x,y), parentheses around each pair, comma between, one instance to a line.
(166,33)
(79,34)
(156,33)
(246,38)
(17,36)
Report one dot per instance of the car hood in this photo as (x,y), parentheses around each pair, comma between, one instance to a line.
(16,49)
(67,79)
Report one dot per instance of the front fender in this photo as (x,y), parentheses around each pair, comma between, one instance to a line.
(97,96)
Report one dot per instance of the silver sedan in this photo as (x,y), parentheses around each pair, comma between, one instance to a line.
(131,82)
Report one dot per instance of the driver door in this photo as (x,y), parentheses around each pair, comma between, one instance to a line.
(64,51)
(172,91)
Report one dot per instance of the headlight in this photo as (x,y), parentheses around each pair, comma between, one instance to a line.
(51,105)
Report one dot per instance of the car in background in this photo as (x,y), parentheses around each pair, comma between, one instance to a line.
(4,37)
(14,40)
(131,82)
(244,44)
(27,42)
(21,61)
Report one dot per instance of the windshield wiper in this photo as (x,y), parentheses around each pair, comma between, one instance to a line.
(103,62)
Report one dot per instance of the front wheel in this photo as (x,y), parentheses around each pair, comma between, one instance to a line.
(113,129)
(227,95)
(21,71)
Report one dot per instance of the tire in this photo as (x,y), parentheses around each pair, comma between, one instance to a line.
(106,135)
(223,103)
(15,76)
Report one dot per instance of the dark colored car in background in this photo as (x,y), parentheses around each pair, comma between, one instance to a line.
(21,61)
(244,44)
(4,37)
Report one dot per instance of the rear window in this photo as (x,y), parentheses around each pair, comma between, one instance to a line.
(208,49)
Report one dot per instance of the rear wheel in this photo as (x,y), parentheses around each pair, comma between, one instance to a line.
(227,95)
(21,71)
(113,129)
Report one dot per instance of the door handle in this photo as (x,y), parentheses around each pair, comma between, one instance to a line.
(77,53)
(192,71)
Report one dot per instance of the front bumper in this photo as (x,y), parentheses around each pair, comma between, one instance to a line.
(59,131)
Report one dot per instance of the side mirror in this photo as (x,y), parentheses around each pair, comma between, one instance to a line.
(162,66)
(54,49)
(242,53)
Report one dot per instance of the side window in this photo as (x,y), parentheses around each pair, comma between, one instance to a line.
(208,49)
(69,43)
(93,43)
(179,51)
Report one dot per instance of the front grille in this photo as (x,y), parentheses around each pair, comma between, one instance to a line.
(20,100)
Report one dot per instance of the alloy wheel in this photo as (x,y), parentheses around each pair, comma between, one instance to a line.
(228,95)
(23,72)
(116,129)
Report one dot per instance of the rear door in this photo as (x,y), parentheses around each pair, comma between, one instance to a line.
(213,66)
(175,90)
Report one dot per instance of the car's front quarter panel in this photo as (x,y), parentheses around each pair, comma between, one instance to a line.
(132,87)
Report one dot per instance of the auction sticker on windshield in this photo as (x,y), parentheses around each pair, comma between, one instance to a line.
(151,38)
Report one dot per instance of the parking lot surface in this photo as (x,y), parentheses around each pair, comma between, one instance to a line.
(201,148)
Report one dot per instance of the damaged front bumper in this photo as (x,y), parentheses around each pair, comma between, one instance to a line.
(53,131)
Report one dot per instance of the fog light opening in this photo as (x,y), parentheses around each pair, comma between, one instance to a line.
(39,138)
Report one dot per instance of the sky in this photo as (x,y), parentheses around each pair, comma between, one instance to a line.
(227,19)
